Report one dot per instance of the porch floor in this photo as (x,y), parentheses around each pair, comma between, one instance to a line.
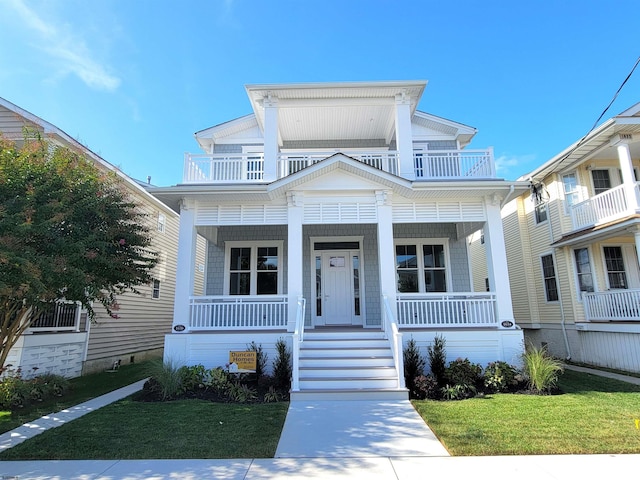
(356,428)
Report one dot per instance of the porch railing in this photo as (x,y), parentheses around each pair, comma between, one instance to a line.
(250,167)
(238,312)
(600,208)
(616,305)
(298,338)
(63,317)
(391,332)
(442,310)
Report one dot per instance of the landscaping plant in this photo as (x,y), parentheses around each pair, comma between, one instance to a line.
(414,363)
(166,379)
(437,358)
(541,369)
(261,358)
(282,369)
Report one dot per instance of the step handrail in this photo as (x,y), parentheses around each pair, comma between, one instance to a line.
(391,333)
(297,339)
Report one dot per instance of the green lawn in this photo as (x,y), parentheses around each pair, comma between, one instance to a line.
(593,415)
(81,390)
(179,429)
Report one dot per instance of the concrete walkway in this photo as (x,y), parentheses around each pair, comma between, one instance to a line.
(338,440)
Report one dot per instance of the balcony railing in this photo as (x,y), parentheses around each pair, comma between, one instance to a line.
(601,208)
(614,305)
(456,309)
(250,167)
(241,312)
(62,317)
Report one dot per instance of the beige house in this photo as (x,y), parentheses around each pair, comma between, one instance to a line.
(66,343)
(572,247)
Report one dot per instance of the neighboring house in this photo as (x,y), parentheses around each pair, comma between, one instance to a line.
(334,215)
(572,244)
(65,342)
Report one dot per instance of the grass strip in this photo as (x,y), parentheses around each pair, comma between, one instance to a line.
(594,415)
(146,430)
(81,389)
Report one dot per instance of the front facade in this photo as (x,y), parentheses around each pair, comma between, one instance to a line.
(572,244)
(65,342)
(336,217)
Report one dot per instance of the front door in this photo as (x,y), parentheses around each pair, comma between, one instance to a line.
(337,288)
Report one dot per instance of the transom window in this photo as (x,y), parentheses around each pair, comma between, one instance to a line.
(253,269)
(549,276)
(421,266)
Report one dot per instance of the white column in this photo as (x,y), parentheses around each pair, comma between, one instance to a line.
(386,253)
(185,265)
(404,136)
(628,178)
(497,261)
(294,254)
(270,106)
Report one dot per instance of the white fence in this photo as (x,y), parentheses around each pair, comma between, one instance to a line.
(238,312)
(458,309)
(602,207)
(612,305)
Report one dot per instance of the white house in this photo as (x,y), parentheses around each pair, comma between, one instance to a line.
(572,243)
(336,217)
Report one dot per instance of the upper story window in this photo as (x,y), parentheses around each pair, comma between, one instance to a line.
(549,277)
(156,289)
(571,190)
(253,269)
(541,212)
(421,266)
(162,221)
(601,181)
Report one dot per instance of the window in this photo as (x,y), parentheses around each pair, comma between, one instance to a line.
(482,237)
(571,191)
(583,269)
(421,267)
(601,181)
(549,276)
(156,289)
(253,269)
(162,220)
(615,267)
(541,212)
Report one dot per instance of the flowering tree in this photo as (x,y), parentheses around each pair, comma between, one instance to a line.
(68,230)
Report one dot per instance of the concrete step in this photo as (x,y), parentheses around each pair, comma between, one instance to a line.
(351,394)
(355,361)
(347,383)
(348,372)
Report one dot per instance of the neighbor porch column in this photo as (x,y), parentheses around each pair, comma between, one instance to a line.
(497,262)
(404,136)
(270,106)
(185,265)
(386,253)
(626,168)
(294,255)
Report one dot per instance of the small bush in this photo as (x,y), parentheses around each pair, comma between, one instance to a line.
(426,386)
(241,393)
(462,372)
(17,392)
(261,358)
(541,369)
(194,378)
(437,358)
(459,391)
(282,369)
(500,377)
(167,379)
(414,363)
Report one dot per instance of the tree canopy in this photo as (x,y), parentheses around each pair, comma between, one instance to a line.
(68,230)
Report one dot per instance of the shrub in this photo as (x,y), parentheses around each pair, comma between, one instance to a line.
(426,386)
(282,369)
(459,391)
(166,379)
(261,358)
(437,358)
(193,378)
(271,396)
(500,377)
(462,372)
(218,380)
(414,363)
(540,369)
(241,393)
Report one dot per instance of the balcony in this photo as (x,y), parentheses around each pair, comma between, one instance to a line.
(249,167)
(604,207)
(614,305)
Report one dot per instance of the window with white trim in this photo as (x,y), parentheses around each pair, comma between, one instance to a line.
(549,277)
(421,266)
(616,274)
(541,212)
(162,221)
(571,190)
(156,289)
(601,181)
(583,269)
(253,269)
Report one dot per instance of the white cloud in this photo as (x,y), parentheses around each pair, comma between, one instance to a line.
(68,50)
(508,164)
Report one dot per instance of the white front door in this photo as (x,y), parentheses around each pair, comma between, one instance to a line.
(337,288)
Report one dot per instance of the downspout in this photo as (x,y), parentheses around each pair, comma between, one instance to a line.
(562,316)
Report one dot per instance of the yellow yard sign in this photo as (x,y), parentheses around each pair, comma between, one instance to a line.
(242,362)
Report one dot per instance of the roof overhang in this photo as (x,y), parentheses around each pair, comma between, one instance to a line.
(585,237)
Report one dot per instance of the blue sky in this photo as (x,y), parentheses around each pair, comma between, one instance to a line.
(134,80)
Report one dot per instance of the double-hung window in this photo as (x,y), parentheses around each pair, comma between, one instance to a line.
(571,190)
(253,269)
(616,274)
(549,276)
(421,265)
(583,269)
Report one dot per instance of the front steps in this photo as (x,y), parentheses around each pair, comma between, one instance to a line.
(347,365)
